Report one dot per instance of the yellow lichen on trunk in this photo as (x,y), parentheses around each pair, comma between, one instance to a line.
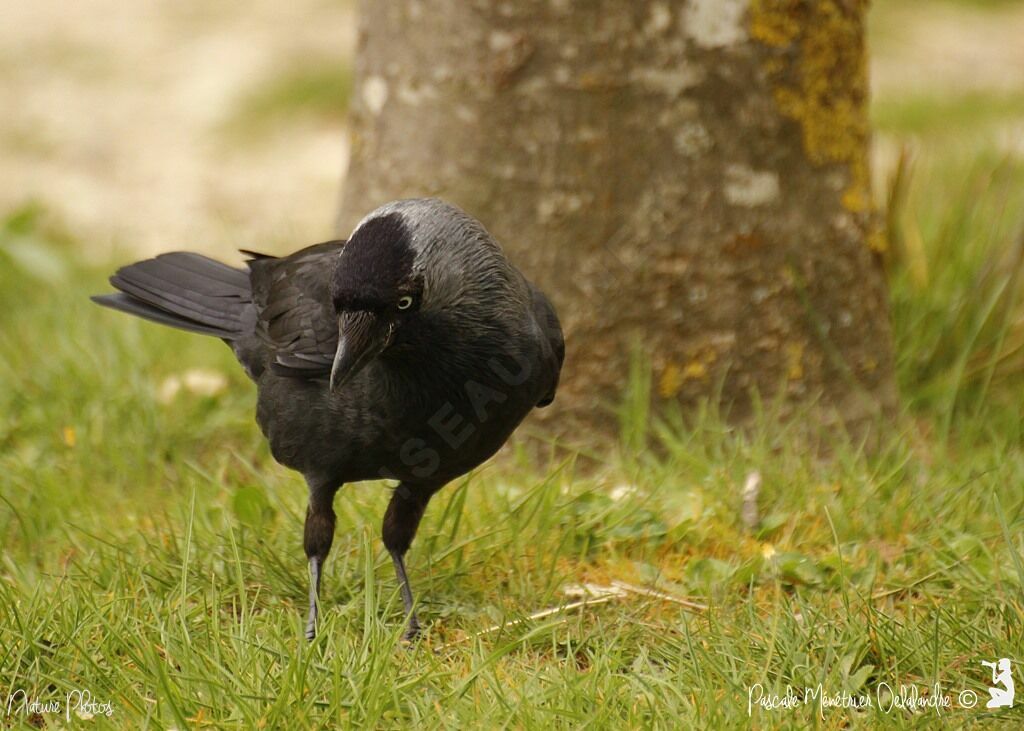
(818,69)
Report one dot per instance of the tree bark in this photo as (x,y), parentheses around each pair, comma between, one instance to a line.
(689,176)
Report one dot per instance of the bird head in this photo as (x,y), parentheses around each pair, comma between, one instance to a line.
(407,263)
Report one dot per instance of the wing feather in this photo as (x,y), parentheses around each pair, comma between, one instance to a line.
(295,317)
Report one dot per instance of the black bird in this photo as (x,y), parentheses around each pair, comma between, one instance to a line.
(409,352)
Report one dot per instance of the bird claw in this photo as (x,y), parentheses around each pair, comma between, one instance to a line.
(311,626)
(412,633)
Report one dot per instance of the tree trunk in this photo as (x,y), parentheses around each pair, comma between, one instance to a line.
(686,175)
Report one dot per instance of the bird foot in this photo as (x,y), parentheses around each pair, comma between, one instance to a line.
(311,625)
(412,633)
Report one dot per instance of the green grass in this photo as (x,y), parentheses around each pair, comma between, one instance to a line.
(152,553)
(314,89)
(930,114)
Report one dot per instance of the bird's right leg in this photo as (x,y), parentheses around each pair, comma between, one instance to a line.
(317,538)
(401,519)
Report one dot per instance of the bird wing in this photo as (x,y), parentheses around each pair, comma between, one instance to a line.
(551,332)
(295,318)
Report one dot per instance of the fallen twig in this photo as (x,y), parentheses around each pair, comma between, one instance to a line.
(751,490)
(644,591)
(536,615)
(592,594)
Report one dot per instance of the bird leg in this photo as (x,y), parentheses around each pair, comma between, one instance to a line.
(317,538)
(315,564)
(401,520)
(413,628)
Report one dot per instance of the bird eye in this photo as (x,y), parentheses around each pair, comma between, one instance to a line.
(405,303)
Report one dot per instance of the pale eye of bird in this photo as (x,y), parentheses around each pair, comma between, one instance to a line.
(405,303)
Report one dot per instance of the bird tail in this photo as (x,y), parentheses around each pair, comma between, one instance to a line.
(186,291)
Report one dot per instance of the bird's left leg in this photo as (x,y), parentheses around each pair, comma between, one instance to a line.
(317,539)
(401,520)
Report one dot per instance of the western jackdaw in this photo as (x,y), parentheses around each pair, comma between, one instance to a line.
(409,352)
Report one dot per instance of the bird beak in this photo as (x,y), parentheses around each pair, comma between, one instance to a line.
(361,337)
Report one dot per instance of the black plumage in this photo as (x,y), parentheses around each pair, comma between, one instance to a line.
(410,352)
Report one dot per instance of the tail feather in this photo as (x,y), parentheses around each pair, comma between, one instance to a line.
(127,303)
(196,272)
(184,290)
(177,298)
